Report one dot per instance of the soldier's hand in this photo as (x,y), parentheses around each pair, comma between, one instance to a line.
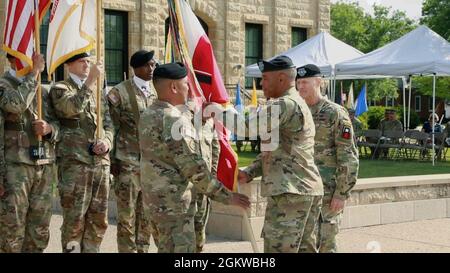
(38,64)
(211,109)
(337,205)
(41,128)
(95,72)
(101,147)
(2,190)
(240,200)
(243,177)
(115,169)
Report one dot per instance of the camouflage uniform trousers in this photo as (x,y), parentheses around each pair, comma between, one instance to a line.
(290,224)
(201,220)
(328,227)
(84,191)
(26,208)
(134,228)
(176,233)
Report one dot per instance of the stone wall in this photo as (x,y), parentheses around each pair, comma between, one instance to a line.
(226,21)
(374,201)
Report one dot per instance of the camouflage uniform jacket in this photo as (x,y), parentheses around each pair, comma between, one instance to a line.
(19,105)
(336,154)
(290,167)
(171,163)
(210,146)
(123,113)
(76,110)
(390,125)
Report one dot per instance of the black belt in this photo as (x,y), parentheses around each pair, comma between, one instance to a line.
(14,126)
(70,123)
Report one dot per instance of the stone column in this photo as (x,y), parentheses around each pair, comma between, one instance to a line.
(323,15)
(282,30)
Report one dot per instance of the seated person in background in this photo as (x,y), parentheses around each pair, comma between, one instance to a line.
(390,122)
(428,125)
(356,123)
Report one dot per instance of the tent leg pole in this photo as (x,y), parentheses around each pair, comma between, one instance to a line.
(404,106)
(409,103)
(434,113)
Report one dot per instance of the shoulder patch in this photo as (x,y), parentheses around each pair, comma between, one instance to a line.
(113,98)
(346,131)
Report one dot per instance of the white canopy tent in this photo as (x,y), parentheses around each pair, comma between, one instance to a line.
(421,52)
(323,50)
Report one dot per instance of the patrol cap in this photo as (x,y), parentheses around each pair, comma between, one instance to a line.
(389,111)
(279,63)
(308,71)
(172,71)
(351,111)
(77,57)
(141,57)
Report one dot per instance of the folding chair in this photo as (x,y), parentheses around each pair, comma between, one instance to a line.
(414,142)
(390,140)
(369,139)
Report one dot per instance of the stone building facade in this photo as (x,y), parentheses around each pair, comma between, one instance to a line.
(226,22)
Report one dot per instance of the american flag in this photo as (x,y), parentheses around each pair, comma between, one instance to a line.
(18,39)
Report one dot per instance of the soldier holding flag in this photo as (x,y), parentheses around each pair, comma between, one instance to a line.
(27,202)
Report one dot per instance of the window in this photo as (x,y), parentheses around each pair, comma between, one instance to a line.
(299,35)
(116,46)
(253,48)
(418,103)
(43,43)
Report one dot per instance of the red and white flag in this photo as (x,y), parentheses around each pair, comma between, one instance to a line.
(195,46)
(18,38)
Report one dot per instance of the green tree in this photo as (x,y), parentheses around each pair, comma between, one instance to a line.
(436,15)
(425,86)
(350,24)
(347,24)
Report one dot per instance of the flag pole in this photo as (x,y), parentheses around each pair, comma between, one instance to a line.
(248,227)
(99,80)
(37,45)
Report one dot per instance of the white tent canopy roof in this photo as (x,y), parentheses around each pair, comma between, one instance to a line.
(420,52)
(323,50)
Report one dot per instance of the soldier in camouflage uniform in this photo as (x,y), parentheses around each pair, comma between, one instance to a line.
(390,122)
(2,158)
(335,154)
(356,123)
(126,103)
(172,166)
(83,160)
(290,179)
(210,151)
(27,201)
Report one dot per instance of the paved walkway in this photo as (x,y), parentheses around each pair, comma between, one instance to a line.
(423,236)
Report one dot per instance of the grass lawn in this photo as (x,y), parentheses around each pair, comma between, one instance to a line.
(377,168)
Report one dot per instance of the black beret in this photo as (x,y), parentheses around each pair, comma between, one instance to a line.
(9,56)
(141,57)
(173,71)
(389,111)
(279,63)
(308,71)
(77,57)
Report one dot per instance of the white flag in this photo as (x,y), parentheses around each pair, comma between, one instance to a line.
(350,100)
(72,30)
